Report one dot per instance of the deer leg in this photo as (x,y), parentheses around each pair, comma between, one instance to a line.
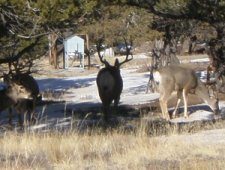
(32,117)
(105,109)
(185,103)
(20,120)
(30,111)
(164,109)
(208,75)
(116,103)
(163,100)
(179,94)
(26,119)
(10,115)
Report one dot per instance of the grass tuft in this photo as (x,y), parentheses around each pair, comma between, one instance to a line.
(108,150)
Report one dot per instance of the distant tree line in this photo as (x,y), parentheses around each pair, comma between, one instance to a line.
(29,29)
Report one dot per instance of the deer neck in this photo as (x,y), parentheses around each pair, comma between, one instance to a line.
(202,92)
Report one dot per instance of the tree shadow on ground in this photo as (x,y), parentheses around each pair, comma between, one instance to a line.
(59,83)
(61,117)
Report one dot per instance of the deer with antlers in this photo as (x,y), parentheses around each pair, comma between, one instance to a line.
(109,80)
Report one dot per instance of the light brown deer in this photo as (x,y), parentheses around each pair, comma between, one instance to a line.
(183,81)
(109,81)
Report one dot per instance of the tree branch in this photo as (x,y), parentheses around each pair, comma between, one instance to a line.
(20,53)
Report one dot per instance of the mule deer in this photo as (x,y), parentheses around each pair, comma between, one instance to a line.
(10,98)
(109,81)
(27,83)
(27,90)
(183,81)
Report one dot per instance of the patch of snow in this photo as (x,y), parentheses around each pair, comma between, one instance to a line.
(198,115)
(200,60)
(80,92)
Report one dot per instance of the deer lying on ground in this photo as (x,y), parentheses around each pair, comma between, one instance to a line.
(27,94)
(109,81)
(183,81)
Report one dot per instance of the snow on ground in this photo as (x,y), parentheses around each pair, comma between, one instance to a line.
(208,137)
(83,89)
(80,92)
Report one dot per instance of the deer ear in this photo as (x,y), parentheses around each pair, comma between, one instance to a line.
(117,64)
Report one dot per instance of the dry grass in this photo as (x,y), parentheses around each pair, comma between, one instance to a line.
(112,150)
(109,150)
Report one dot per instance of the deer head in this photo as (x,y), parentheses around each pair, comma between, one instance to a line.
(24,82)
(109,80)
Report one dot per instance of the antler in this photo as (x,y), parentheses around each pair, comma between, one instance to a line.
(99,47)
(128,53)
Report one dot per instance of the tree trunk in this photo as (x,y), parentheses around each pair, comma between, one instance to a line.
(89,55)
(53,58)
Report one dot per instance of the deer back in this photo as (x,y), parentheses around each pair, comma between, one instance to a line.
(110,83)
(175,78)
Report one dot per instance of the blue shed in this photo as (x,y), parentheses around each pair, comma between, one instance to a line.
(73,48)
